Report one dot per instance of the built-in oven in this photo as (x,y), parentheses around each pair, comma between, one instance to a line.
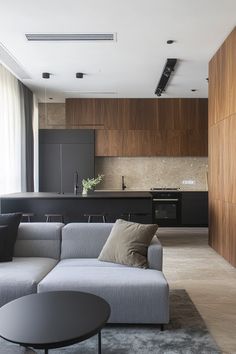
(166,208)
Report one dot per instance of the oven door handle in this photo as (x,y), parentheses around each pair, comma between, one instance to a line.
(165,200)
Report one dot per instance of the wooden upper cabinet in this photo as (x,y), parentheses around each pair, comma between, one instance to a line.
(81,113)
(143,127)
(168,114)
(142,114)
(109,142)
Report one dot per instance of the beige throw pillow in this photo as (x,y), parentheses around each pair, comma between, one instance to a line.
(128,243)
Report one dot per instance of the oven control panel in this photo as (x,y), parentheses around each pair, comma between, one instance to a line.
(165,195)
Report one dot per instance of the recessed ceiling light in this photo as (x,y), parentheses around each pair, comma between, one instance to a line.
(193,90)
(50,98)
(170,41)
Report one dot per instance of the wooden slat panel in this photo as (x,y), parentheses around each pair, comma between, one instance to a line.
(231,72)
(222,147)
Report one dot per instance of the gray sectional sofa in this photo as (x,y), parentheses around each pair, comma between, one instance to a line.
(52,256)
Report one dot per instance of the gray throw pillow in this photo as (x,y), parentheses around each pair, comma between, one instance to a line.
(128,243)
(9,235)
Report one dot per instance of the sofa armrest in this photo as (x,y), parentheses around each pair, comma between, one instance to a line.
(154,254)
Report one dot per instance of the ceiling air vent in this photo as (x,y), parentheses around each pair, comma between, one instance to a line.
(70,36)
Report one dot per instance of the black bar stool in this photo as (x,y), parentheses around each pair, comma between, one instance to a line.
(92,216)
(51,217)
(130,216)
(27,216)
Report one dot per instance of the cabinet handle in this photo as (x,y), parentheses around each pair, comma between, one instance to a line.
(165,200)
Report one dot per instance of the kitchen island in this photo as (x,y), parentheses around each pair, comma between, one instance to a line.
(73,207)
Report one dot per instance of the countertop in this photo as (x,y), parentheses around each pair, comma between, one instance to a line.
(148,190)
(92,195)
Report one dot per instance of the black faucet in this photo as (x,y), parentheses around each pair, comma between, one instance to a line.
(76,182)
(123,186)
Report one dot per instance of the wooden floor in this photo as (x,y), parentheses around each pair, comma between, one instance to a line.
(189,263)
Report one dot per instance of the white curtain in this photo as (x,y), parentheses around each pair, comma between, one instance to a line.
(10,133)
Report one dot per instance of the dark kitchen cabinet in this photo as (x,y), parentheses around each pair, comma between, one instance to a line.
(194,209)
(61,153)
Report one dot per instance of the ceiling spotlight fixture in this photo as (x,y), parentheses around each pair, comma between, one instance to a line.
(169,67)
(170,41)
(79,75)
(46,75)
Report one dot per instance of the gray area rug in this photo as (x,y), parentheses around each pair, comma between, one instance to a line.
(185,334)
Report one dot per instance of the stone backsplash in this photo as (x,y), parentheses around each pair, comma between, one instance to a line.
(142,173)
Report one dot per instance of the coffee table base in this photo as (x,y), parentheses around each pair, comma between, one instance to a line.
(99,344)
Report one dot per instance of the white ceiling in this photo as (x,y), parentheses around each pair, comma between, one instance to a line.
(129,67)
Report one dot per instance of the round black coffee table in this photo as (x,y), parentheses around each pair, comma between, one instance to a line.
(53,319)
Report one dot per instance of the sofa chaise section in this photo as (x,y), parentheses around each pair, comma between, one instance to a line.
(135,295)
(37,251)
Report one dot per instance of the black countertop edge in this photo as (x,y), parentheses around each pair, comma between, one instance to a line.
(92,195)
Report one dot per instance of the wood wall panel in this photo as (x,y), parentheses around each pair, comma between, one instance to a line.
(231,72)
(109,142)
(142,114)
(150,143)
(222,147)
(168,114)
(82,114)
(145,127)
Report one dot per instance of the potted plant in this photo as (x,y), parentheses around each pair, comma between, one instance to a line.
(90,183)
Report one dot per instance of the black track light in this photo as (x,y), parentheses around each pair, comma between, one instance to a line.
(169,67)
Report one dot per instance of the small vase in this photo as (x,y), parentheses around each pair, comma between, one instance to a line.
(85,191)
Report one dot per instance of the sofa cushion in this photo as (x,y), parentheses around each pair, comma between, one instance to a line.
(128,243)
(39,240)
(88,262)
(135,295)
(84,240)
(12,222)
(21,276)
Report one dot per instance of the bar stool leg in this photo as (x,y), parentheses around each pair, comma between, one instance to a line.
(129,217)
(104,218)
(89,218)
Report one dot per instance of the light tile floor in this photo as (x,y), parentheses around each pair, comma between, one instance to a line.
(190,264)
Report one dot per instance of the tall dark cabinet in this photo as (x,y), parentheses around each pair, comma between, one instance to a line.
(62,152)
